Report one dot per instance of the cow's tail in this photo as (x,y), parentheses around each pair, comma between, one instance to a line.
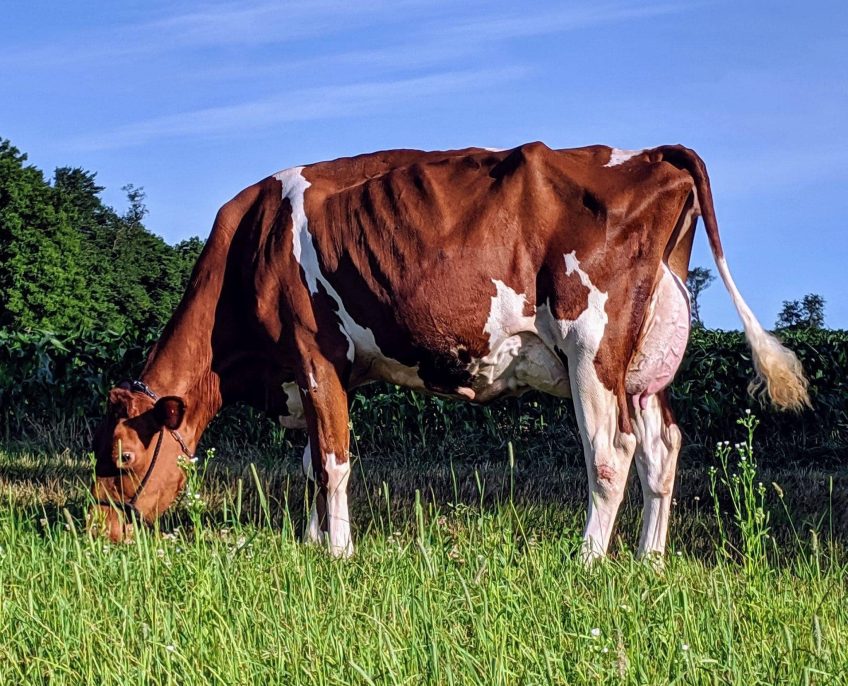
(778,371)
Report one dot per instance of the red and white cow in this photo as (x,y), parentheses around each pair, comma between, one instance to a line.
(470,273)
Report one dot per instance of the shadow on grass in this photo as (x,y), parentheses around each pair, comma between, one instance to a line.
(549,492)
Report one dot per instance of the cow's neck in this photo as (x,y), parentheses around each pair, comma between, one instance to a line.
(181,367)
(181,362)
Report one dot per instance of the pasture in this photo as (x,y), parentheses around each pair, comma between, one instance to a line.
(466,571)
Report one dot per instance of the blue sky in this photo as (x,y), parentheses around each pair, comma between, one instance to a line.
(195,100)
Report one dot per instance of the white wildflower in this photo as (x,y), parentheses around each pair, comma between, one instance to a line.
(684,646)
(170,648)
(595,632)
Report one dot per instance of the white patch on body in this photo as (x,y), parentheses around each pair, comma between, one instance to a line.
(618,156)
(587,330)
(361,342)
(607,451)
(518,358)
(295,419)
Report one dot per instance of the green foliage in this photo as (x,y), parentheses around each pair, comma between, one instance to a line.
(697,281)
(808,313)
(42,272)
(47,378)
(68,262)
(713,378)
(747,499)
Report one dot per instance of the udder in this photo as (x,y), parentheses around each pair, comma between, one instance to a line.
(663,339)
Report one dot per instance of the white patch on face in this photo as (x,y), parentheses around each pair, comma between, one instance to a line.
(295,418)
(313,384)
(618,156)
(361,342)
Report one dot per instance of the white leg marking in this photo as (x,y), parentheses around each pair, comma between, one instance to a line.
(608,454)
(338,515)
(656,462)
(313,529)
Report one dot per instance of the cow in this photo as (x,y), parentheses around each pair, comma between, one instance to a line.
(472,274)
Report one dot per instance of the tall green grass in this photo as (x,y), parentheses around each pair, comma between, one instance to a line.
(456,589)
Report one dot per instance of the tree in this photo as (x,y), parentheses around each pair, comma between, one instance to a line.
(187,253)
(70,263)
(697,281)
(808,313)
(42,274)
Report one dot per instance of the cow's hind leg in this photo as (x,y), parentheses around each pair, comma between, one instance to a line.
(326,409)
(608,452)
(658,444)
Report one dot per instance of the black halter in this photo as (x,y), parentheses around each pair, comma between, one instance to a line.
(128,507)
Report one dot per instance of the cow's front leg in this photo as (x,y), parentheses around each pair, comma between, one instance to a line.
(313,530)
(325,406)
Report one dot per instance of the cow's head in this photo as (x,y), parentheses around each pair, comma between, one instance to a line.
(137,447)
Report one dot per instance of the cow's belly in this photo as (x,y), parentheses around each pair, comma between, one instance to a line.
(663,339)
(520,363)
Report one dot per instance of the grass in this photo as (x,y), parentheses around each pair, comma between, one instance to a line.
(464,573)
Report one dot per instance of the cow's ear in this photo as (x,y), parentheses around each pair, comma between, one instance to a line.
(120,401)
(169,412)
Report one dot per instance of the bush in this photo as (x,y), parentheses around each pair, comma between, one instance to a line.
(46,379)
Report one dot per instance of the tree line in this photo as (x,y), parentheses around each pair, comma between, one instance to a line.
(70,264)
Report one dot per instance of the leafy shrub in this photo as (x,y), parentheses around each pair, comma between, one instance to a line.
(46,378)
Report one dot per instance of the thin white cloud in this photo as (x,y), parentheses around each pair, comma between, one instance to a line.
(271,22)
(526,24)
(210,26)
(457,28)
(300,105)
